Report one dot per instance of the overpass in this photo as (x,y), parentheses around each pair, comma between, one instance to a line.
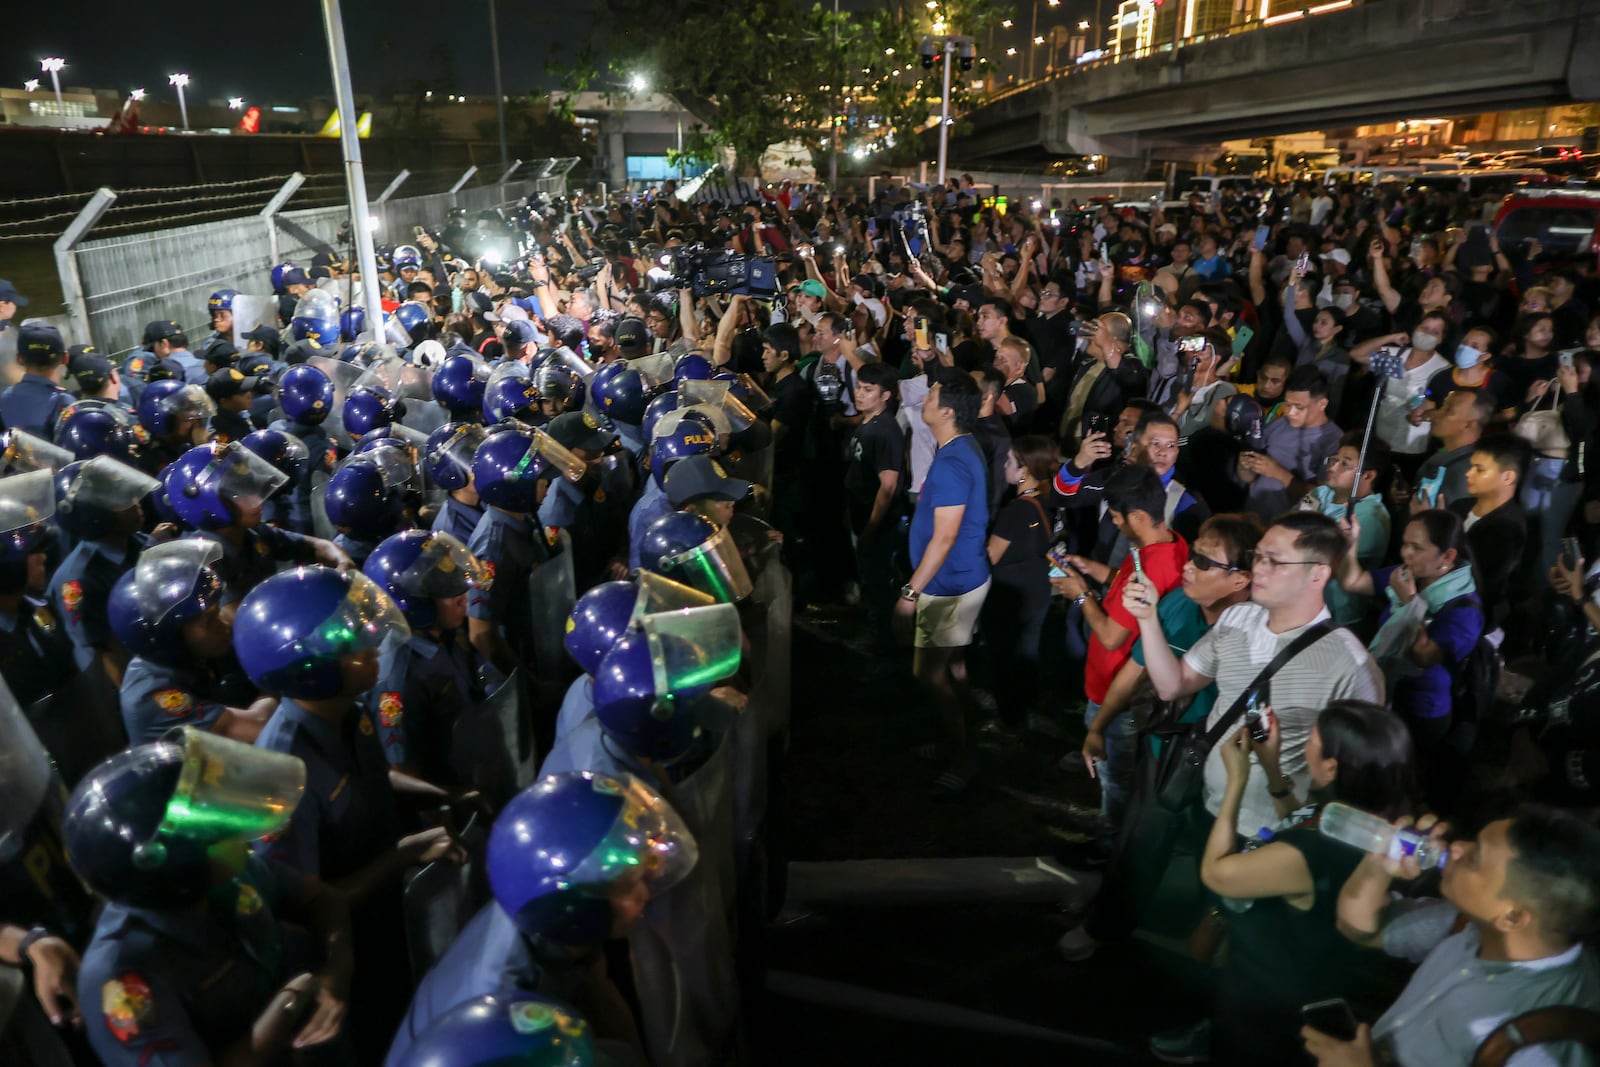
(1379,61)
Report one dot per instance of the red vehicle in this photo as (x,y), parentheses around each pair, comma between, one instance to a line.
(1563,220)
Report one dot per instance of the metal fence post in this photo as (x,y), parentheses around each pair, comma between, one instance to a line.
(509,172)
(399,179)
(269,213)
(456,188)
(67,264)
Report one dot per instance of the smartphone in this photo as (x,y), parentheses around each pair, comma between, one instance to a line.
(941,343)
(1241,338)
(1260,242)
(1196,343)
(872,227)
(1255,712)
(1564,357)
(1571,553)
(1303,264)
(1058,561)
(1331,1017)
(921,336)
(1105,254)
(1138,564)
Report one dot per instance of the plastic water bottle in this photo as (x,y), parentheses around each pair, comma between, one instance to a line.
(1371,833)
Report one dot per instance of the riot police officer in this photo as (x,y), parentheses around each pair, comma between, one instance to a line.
(290,456)
(573,860)
(35,402)
(504,1028)
(98,506)
(678,440)
(447,457)
(176,417)
(691,549)
(167,612)
(168,341)
(306,394)
(189,963)
(220,307)
(35,652)
(458,385)
(366,500)
(595,505)
(90,428)
(232,392)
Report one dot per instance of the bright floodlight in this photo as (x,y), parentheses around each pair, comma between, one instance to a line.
(638,83)
(50,66)
(137,94)
(31,85)
(180,80)
(235,103)
(1083,24)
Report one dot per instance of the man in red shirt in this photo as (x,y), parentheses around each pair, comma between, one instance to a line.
(1136,503)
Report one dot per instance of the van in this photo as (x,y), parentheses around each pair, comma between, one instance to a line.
(1208,186)
(1477,181)
(1369,175)
(1564,221)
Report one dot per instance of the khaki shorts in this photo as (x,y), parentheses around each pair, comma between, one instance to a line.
(948,621)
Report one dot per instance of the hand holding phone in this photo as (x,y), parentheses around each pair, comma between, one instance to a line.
(1331,1017)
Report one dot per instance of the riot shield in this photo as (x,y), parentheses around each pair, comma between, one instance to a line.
(485,742)
(80,724)
(510,707)
(321,525)
(438,901)
(250,312)
(682,950)
(344,377)
(25,771)
(552,590)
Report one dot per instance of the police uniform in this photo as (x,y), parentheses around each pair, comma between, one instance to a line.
(246,565)
(33,404)
(577,704)
(215,340)
(35,651)
(156,697)
(323,456)
(38,886)
(489,955)
(154,454)
(510,546)
(132,377)
(457,519)
(83,588)
(587,748)
(230,425)
(194,371)
(424,686)
(651,505)
(174,988)
(356,550)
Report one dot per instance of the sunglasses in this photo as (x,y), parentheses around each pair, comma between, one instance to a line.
(1206,563)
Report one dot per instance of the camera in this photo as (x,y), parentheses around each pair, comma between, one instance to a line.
(711,273)
(589,271)
(1086,328)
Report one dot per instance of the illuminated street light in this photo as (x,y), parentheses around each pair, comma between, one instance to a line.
(939,26)
(31,85)
(52,67)
(1006,24)
(180,80)
(235,103)
(1011,51)
(1083,24)
(888,51)
(638,83)
(1038,40)
(137,94)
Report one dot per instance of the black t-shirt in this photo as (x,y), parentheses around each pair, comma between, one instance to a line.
(1444,383)
(1024,525)
(877,445)
(1025,400)
(792,399)
(1521,373)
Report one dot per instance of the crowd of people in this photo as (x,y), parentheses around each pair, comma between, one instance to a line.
(1297,471)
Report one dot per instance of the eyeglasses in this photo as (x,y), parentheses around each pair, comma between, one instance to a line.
(1267,563)
(1206,563)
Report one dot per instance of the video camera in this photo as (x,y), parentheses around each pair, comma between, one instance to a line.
(714,273)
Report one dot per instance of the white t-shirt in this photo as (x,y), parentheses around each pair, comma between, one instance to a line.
(1392,425)
(912,392)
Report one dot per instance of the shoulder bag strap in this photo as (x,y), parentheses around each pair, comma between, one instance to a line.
(1310,636)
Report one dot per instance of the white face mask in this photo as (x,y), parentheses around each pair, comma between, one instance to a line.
(1424,341)
(1344,301)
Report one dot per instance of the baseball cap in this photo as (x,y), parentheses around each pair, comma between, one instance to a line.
(222,355)
(519,332)
(1338,255)
(578,429)
(632,333)
(255,363)
(163,330)
(867,283)
(477,303)
(267,337)
(39,342)
(812,287)
(508,312)
(700,476)
(296,276)
(230,382)
(88,368)
(301,351)
(9,294)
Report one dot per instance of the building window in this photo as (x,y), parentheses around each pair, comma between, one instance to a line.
(76,109)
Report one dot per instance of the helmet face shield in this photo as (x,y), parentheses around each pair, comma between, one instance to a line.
(169,574)
(25,770)
(654,369)
(245,477)
(714,567)
(558,456)
(105,483)
(227,791)
(363,620)
(398,378)
(444,569)
(191,401)
(647,837)
(317,304)
(24,452)
(716,398)
(27,501)
(658,594)
(692,648)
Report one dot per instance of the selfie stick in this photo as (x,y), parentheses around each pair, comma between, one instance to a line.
(1372,418)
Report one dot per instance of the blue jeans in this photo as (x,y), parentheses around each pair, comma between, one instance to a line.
(1549,503)
(1115,772)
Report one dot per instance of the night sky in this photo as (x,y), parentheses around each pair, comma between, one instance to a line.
(247,50)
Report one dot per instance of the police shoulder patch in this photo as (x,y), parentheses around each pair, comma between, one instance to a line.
(174,702)
(72,597)
(127,1005)
(390,710)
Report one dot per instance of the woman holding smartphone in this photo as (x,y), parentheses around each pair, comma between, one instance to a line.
(1281,889)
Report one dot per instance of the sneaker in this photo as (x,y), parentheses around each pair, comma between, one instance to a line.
(1184,1044)
(1077,945)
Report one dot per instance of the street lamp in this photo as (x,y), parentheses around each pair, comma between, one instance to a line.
(31,85)
(952,47)
(53,67)
(180,80)
(137,94)
(639,83)
(235,103)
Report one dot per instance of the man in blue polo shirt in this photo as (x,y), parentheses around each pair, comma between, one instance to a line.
(35,402)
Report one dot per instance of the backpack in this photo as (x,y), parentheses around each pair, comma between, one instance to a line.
(1473,689)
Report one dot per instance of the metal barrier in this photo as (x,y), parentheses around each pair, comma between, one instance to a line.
(114,286)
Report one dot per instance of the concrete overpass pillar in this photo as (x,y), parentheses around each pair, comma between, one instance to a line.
(616,158)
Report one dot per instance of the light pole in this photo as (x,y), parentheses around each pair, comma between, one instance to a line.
(180,80)
(344,96)
(53,67)
(951,47)
(1033,35)
(499,91)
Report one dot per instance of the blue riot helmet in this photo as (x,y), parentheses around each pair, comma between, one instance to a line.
(316,317)
(21,452)
(512,459)
(646,686)
(366,497)
(406,257)
(618,391)
(369,407)
(689,549)
(418,567)
(277,276)
(294,630)
(284,451)
(404,443)
(511,394)
(100,497)
(27,503)
(692,366)
(414,321)
(448,455)
(604,613)
(509,1029)
(363,353)
(305,393)
(659,405)
(352,323)
(217,485)
(459,385)
(680,440)
(566,844)
(172,585)
(221,300)
(171,407)
(141,827)
(558,385)
(92,427)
